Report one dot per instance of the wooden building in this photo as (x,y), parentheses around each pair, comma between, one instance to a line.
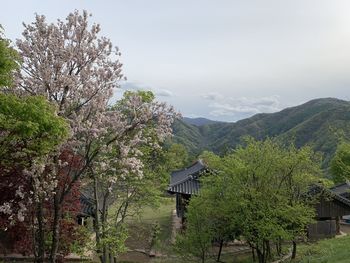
(333,204)
(184,183)
(87,209)
(342,189)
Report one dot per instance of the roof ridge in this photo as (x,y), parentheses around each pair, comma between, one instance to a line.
(338,196)
(347,182)
(200,161)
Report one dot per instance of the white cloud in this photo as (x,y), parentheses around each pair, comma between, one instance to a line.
(212,96)
(241,107)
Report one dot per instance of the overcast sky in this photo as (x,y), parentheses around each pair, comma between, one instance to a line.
(220,59)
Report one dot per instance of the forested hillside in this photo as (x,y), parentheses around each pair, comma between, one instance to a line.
(319,123)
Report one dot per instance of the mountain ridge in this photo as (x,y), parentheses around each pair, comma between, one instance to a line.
(313,123)
(199,121)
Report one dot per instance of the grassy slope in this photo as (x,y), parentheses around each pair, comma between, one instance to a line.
(336,250)
(140,231)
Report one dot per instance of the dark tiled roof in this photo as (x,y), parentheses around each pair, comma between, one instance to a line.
(341,199)
(186,180)
(190,186)
(87,206)
(341,189)
(332,192)
(87,201)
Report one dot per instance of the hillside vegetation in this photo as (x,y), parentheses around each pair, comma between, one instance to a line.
(318,123)
(326,251)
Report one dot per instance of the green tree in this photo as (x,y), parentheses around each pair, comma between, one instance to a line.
(30,131)
(258,192)
(209,218)
(195,242)
(176,156)
(9,61)
(340,164)
(28,126)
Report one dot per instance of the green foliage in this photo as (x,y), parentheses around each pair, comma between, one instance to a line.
(256,192)
(156,222)
(9,61)
(155,236)
(340,164)
(30,125)
(189,136)
(146,96)
(176,157)
(114,239)
(197,239)
(81,241)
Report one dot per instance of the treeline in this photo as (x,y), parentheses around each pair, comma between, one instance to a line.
(259,193)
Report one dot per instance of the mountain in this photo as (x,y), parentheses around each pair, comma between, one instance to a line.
(198,121)
(316,123)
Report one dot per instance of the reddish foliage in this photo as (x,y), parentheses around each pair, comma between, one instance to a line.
(19,238)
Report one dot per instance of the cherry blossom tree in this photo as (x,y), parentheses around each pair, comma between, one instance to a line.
(77,70)
(129,176)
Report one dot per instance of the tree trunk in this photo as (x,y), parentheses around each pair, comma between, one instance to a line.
(264,251)
(279,247)
(110,258)
(268,249)
(220,249)
(104,254)
(103,225)
(40,240)
(97,221)
(55,229)
(294,251)
(337,225)
(253,255)
(261,257)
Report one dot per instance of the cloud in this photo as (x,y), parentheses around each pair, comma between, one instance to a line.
(212,96)
(138,86)
(241,107)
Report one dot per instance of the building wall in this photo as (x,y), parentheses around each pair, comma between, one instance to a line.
(322,229)
(331,209)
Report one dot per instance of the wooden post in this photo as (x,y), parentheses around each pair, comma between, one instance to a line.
(337,225)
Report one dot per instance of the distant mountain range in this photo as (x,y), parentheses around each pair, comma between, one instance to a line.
(198,121)
(317,123)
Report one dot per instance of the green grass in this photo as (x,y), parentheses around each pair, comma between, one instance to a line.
(140,231)
(162,216)
(335,250)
